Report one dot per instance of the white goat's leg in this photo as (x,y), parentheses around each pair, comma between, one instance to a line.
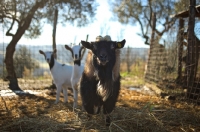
(65,94)
(75,94)
(59,88)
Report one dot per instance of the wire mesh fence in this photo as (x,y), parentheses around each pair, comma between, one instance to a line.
(32,69)
(172,65)
(193,72)
(161,63)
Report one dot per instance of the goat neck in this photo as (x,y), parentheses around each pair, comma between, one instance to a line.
(55,64)
(77,70)
(52,62)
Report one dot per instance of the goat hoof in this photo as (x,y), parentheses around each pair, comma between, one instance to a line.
(108,121)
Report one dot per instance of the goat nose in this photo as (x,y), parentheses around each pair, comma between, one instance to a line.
(103,57)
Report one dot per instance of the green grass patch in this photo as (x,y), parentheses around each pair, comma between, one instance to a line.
(132,80)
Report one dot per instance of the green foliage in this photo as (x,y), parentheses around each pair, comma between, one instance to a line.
(142,12)
(19,12)
(131,79)
(124,74)
(149,107)
(137,68)
(135,77)
(182,5)
(76,12)
(23,62)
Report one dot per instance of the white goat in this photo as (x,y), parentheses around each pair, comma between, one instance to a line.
(77,69)
(60,73)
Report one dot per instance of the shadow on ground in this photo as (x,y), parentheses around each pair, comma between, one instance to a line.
(135,112)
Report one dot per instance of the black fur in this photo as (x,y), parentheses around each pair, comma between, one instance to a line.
(77,62)
(98,88)
(51,64)
(91,98)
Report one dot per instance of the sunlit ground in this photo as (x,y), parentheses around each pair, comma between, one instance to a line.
(134,111)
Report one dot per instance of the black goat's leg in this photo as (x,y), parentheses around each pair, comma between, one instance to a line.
(107,120)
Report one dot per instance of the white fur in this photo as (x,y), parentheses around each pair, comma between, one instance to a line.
(76,73)
(61,75)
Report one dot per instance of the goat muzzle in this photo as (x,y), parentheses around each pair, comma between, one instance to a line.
(48,60)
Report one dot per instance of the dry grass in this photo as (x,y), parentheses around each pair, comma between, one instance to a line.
(135,112)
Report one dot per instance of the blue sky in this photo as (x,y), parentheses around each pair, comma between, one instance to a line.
(70,34)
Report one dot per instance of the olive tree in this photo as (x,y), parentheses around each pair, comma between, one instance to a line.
(26,18)
(23,61)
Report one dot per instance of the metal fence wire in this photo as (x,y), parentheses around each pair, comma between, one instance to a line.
(33,71)
(165,63)
(168,63)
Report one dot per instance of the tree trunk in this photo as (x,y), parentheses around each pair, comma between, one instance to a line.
(10,67)
(10,49)
(152,45)
(191,66)
(54,30)
(180,48)
(54,38)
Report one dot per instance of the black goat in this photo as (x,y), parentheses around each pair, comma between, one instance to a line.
(100,82)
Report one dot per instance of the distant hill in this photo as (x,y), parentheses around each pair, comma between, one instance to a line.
(141,53)
(64,56)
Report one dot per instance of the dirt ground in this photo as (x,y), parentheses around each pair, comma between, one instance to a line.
(134,112)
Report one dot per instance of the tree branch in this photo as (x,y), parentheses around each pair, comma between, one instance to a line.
(167,26)
(10,17)
(13,21)
(8,32)
(151,12)
(144,35)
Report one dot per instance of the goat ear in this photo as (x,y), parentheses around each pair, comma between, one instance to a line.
(121,44)
(41,52)
(87,45)
(68,48)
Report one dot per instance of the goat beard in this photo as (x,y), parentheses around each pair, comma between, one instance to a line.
(105,76)
(105,89)
(103,63)
(103,72)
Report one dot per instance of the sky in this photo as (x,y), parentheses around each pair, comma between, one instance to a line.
(70,34)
